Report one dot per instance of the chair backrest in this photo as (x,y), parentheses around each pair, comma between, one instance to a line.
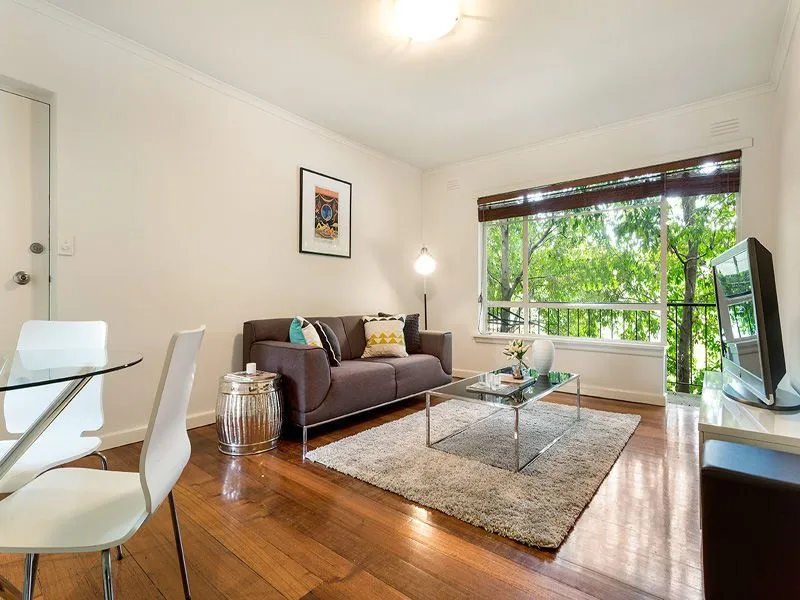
(85,412)
(55,335)
(166,447)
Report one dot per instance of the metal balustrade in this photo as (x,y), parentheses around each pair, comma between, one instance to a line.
(684,373)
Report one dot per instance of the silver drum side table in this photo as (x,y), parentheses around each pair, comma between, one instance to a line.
(249,412)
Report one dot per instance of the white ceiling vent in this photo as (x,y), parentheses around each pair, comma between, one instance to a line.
(453,185)
(726,127)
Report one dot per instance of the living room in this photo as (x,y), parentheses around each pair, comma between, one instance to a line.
(169,144)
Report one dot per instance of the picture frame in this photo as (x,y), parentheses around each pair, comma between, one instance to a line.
(325,214)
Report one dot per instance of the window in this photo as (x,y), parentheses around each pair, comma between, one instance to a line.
(617,257)
(584,267)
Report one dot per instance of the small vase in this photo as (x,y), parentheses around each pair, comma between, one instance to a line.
(543,351)
(517,371)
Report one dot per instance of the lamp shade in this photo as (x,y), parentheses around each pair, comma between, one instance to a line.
(425,263)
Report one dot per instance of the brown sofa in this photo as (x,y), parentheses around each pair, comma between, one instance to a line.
(316,393)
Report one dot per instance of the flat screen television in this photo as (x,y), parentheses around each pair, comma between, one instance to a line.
(753,363)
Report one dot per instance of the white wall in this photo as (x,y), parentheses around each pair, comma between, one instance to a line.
(451,228)
(182,195)
(787,257)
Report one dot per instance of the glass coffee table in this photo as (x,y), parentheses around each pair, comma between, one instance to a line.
(529,391)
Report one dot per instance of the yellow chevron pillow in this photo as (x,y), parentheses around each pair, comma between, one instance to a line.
(384,336)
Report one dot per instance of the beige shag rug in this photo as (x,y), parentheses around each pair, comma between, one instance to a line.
(463,476)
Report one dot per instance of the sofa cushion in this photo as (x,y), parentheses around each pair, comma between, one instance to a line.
(354,332)
(335,323)
(410,331)
(302,331)
(355,385)
(329,342)
(415,373)
(384,337)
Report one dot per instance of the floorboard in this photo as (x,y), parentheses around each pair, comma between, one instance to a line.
(274,526)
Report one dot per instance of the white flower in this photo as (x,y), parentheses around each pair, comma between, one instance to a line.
(516,349)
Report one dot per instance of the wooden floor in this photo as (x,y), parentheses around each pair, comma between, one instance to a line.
(271,526)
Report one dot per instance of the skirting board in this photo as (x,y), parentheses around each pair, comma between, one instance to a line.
(597,391)
(136,434)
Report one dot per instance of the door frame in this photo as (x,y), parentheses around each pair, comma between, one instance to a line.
(42,96)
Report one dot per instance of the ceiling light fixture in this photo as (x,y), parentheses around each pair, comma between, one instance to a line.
(425,20)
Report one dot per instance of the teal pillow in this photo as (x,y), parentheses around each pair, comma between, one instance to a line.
(301,331)
(296,332)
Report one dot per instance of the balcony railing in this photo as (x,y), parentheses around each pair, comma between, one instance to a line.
(692,332)
(607,323)
(694,344)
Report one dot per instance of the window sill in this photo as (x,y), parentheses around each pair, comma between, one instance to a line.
(654,349)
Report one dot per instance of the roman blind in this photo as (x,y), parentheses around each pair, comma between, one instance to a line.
(712,174)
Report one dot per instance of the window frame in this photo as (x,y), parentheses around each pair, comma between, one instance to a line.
(526,305)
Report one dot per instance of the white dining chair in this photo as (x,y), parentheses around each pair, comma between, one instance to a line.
(86,510)
(63,441)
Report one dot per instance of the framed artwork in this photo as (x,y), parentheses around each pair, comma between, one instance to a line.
(325,214)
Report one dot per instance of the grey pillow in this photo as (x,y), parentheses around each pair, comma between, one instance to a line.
(330,343)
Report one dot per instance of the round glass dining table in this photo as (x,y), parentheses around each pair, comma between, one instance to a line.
(73,369)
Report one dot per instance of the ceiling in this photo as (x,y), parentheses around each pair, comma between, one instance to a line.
(512,73)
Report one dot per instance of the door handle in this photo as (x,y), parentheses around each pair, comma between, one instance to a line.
(22,278)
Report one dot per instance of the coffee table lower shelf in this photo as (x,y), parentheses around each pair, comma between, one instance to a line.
(526,397)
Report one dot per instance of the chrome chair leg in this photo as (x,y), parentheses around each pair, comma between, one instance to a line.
(103,460)
(31,563)
(108,583)
(176,528)
(104,465)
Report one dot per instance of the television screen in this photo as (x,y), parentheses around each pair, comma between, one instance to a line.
(738,315)
(743,319)
(747,305)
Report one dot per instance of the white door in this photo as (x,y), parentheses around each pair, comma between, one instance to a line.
(24,213)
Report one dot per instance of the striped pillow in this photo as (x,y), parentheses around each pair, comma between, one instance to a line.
(330,343)
(384,337)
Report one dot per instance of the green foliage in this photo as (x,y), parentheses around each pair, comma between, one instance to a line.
(609,256)
(696,236)
(712,226)
(743,318)
(504,265)
(614,256)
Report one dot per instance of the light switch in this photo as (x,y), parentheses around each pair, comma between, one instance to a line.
(66,245)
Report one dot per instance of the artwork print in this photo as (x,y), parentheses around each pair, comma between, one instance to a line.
(325,214)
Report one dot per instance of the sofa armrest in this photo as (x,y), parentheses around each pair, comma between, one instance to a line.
(305,370)
(440,345)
